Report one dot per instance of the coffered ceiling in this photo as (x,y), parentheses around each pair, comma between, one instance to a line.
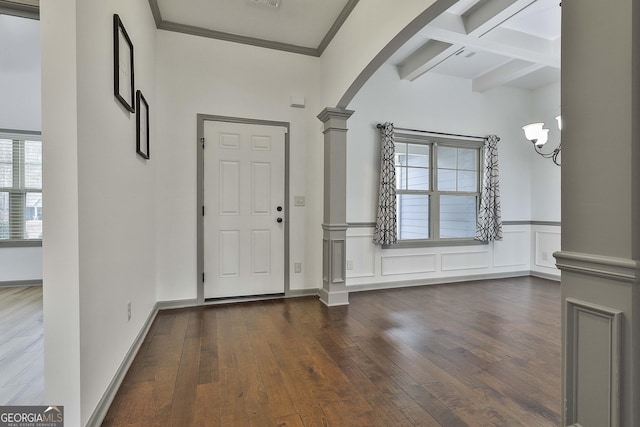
(491,42)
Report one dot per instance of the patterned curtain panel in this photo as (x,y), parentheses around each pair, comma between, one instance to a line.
(386,232)
(489,225)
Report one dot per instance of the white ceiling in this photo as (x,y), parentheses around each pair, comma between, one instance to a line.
(300,26)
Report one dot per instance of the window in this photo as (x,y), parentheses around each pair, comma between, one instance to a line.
(437,187)
(20,188)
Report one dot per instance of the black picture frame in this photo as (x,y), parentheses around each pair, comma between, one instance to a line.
(142,125)
(123,79)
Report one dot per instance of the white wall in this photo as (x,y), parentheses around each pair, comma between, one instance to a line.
(201,75)
(444,104)
(99,250)
(20,264)
(545,185)
(545,175)
(20,73)
(20,110)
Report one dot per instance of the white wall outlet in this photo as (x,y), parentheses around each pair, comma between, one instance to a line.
(297,267)
(298,201)
(349,264)
(128,311)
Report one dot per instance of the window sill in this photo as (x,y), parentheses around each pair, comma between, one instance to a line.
(405,244)
(20,243)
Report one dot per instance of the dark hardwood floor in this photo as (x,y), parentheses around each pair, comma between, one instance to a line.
(471,354)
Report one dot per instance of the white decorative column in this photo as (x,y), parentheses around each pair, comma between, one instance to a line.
(600,213)
(334,224)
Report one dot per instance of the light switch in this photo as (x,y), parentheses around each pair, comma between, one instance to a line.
(298,200)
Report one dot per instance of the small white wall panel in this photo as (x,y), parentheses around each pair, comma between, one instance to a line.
(361,252)
(546,244)
(260,253)
(464,260)
(229,251)
(229,141)
(406,264)
(229,187)
(261,143)
(512,250)
(261,188)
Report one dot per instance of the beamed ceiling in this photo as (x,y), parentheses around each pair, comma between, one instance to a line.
(490,42)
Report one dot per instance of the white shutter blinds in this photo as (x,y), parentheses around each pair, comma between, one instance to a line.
(20,188)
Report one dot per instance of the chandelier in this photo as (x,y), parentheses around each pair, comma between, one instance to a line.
(538,135)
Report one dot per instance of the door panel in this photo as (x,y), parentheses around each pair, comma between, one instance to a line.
(243,188)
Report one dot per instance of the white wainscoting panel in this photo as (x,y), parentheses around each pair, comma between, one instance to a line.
(469,260)
(408,264)
(546,242)
(513,249)
(361,256)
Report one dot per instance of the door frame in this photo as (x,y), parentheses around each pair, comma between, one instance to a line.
(202,118)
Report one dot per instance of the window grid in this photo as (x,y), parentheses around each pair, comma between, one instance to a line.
(444,205)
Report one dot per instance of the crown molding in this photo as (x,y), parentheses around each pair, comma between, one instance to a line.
(161,24)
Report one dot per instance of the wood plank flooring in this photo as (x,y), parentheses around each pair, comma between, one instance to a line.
(21,346)
(471,354)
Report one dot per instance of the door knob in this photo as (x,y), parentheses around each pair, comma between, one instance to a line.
(279,208)
(279,220)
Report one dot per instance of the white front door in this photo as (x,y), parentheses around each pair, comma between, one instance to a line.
(244,199)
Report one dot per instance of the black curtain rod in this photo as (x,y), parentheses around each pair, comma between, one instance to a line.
(380,125)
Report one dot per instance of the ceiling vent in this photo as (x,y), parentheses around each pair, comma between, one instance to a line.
(270,3)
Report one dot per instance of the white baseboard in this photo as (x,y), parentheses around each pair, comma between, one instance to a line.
(107,398)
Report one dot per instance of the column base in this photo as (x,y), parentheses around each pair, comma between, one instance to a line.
(334,298)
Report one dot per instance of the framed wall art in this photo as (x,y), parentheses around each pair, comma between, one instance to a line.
(123,82)
(142,125)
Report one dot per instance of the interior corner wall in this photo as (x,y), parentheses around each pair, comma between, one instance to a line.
(99,241)
(445,104)
(197,75)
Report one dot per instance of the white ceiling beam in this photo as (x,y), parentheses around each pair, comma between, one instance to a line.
(425,58)
(495,47)
(488,14)
(504,74)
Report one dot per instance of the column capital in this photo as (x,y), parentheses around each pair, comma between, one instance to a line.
(334,113)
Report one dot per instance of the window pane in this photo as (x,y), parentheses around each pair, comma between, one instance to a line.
(401,154)
(33,164)
(446,179)
(33,216)
(6,162)
(457,216)
(418,155)
(447,157)
(468,181)
(4,215)
(468,159)
(417,178)
(413,216)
